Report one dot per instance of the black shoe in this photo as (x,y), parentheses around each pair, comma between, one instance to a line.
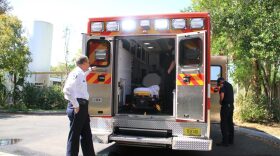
(222,144)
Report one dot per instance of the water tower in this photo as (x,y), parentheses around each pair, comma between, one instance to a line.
(40,46)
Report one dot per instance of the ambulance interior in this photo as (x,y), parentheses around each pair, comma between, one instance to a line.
(144,85)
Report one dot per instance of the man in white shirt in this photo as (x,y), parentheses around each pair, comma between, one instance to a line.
(75,91)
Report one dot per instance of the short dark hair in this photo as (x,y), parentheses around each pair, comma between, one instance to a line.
(81,60)
(220,79)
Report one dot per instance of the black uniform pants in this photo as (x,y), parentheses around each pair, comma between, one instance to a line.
(79,129)
(169,87)
(227,126)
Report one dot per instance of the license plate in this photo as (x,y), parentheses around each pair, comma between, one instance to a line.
(192,131)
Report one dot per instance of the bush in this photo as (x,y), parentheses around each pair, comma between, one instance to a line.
(54,98)
(16,107)
(46,98)
(32,96)
(253,108)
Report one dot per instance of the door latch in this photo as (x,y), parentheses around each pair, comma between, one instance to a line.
(187,78)
(101,78)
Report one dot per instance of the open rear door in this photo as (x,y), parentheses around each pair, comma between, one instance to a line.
(191,78)
(218,69)
(100,53)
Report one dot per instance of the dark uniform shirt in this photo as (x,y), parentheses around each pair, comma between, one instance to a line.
(166,59)
(228,93)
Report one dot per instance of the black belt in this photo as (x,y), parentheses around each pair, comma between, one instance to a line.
(82,101)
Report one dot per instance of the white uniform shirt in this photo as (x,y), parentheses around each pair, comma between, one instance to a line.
(76,86)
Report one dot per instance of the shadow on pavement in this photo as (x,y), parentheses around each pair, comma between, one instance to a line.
(8,115)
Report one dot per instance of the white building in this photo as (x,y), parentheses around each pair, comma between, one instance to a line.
(40,46)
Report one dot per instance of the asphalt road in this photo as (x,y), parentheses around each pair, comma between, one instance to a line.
(46,135)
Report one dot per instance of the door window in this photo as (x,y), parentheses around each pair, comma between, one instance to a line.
(190,52)
(216,72)
(98,52)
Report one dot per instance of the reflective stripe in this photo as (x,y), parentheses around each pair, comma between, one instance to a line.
(92,78)
(195,80)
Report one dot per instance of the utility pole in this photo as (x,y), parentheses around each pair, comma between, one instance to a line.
(66,48)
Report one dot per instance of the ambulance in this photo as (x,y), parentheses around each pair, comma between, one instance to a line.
(151,86)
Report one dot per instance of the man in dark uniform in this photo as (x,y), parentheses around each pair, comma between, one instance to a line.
(226,114)
(75,91)
(167,61)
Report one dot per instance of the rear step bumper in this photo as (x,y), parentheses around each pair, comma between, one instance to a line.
(140,140)
(188,143)
(176,143)
(152,133)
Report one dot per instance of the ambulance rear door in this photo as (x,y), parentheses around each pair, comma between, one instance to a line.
(100,53)
(218,69)
(191,76)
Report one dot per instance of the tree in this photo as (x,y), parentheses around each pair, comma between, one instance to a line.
(249,33)
(65,69)
(62,67)
(14,53)
(4,6)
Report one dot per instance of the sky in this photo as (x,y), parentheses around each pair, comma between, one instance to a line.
(74,14)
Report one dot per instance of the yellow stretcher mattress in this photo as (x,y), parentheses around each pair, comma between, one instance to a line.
(141,93)
(147,91)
